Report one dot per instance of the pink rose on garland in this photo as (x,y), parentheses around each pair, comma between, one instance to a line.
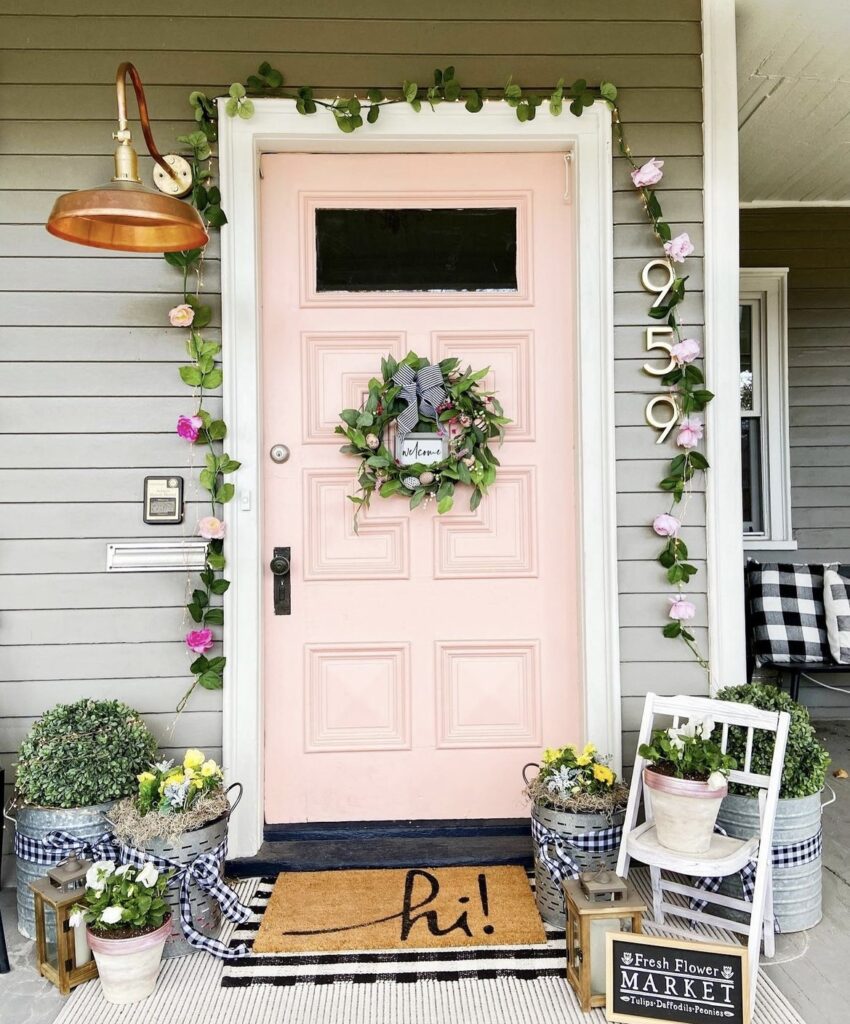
(649,174)
(182,315)
(679,248)
(690,433)
(189,427)
(681,609)
(685,351)
(666,525)
(199,640)
(211,528)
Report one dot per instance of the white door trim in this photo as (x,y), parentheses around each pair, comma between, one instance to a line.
(724,515)
(277,127)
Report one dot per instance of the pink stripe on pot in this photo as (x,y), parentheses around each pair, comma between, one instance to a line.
(682,787)
(136,944)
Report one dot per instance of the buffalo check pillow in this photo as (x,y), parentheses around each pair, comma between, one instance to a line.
(836,600)
(787,613)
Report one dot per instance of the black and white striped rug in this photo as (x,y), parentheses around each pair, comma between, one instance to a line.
(193,987)
(545,960)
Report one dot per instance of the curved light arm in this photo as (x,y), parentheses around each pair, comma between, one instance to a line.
(123,134)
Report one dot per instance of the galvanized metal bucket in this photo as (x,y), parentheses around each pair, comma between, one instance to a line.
(549,895)
(796,887)
(35,823)
(206,913)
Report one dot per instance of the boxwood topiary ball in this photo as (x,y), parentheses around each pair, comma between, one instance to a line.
(85,753)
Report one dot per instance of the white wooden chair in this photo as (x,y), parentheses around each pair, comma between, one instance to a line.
(726,855)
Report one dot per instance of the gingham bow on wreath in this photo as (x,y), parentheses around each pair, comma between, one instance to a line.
(553,848)
(423,391)
(803,852)
(203,871)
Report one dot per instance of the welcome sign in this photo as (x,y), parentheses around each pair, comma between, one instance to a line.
(655,979)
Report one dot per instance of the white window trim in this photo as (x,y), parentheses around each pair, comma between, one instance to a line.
(277,127)
(767,287)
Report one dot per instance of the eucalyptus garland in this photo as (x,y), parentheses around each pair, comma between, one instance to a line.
(439,400)
(685,383)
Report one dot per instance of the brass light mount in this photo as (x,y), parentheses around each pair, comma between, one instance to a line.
(172,173)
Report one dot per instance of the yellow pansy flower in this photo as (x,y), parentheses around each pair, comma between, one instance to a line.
(584,760)
(589,750)
(602,773)
(550,754)
(146,777)
(193,759)
(209,769)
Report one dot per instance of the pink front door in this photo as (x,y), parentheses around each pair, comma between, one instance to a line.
(428,658)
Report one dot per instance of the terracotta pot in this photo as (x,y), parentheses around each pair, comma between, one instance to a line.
(684,811)
(128,967)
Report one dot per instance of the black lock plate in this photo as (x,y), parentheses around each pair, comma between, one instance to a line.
(282,582)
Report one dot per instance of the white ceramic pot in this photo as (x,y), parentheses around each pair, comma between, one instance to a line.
(128,967)
(684,811)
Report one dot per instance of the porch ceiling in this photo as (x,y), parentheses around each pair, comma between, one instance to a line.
(794,100)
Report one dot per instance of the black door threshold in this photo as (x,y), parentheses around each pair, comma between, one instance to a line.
(332,846)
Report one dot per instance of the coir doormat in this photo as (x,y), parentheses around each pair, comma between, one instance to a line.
(399,909)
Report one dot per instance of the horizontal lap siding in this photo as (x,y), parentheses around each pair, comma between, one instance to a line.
(815,245)
(88,386)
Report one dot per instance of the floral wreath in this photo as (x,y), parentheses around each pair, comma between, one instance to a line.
(419,400)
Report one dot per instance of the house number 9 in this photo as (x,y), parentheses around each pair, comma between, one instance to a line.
(665,426)
(660,339)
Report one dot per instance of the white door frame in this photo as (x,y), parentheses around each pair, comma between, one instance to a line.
(277,127)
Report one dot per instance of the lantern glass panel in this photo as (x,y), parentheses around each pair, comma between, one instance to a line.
(598,930)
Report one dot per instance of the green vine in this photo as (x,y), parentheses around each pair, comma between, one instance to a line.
(685,382)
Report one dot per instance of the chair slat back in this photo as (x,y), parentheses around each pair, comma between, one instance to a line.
(726,714)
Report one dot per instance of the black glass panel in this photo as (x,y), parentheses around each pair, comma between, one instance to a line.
(414,250)
(746,342)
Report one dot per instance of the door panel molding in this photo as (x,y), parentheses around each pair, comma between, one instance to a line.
(277,127)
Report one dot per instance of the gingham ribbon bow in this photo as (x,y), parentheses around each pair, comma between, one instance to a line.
(423,391)
(802,852)
(203,872)
(58,846)
(552,848)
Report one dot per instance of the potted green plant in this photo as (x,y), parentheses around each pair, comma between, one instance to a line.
(75,762)
(687,779)
(797,874)
(179,811)
(574,793)
(127,922)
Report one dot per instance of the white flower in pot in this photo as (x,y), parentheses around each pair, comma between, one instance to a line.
(128,921)
(686,779)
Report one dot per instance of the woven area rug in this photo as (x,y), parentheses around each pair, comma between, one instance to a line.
(191,987)
(399,908)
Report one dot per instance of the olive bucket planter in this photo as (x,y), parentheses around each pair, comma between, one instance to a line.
(684,811)
(87,823)
(128,968)
(549,893)
(205,911)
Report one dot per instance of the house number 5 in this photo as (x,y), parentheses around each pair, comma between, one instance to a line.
(660,338)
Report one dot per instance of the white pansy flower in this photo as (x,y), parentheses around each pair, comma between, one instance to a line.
(148,875)
(77,918)
(123,869)
(111,915)
(676,739)
(717,780)
(98,873)
(689,729)
(706,727)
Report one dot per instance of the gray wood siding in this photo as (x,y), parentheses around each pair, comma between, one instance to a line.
(83,340)
(815,245)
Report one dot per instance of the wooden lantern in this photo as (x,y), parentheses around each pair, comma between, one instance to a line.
(63,953)
(597,903)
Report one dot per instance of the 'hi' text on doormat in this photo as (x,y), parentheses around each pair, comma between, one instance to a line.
(399,908)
